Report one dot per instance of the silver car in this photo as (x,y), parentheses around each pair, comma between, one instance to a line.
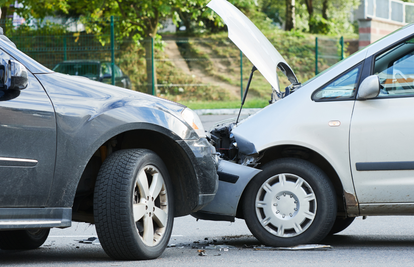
(326,151)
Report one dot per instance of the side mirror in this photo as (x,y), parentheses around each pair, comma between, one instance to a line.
(369,88)
(13,76)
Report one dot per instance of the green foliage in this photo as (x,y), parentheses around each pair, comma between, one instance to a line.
(250,103)
(337,21)
(173,84)
(140,19)
(320,25)
(36,8)
(275,10)
(219,58)
(36,28)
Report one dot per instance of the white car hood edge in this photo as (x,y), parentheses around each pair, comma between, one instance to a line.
(251,41)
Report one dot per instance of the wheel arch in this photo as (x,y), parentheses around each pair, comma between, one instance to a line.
(295,151)
(169,147)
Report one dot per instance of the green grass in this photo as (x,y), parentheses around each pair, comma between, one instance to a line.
(250,103)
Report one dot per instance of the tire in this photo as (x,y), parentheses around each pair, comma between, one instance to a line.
(23,239)
(290,202)
(133,205)
(341,224)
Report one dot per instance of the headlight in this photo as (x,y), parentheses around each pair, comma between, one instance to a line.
(194,121)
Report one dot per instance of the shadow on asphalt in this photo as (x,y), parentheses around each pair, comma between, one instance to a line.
(83,254)
(373,241)
(91,253)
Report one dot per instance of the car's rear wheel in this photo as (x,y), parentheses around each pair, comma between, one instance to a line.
(290,202)
(133,205)
(23,239)
(341,224)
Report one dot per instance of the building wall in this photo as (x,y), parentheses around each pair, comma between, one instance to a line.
(377,18)
(373,29)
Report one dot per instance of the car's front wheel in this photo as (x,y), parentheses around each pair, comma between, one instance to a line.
(290,202)
(133,205)
(23,239)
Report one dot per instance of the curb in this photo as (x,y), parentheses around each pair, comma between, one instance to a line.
(226,111)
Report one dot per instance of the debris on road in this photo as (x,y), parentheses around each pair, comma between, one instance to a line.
(298,247)
(201,252)
(219,247)
(91,240)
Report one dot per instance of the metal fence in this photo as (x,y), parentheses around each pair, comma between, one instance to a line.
(180,68)
(328,51)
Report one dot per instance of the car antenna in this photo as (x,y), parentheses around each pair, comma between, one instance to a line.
(245,92)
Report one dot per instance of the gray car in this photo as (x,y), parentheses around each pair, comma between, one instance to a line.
(73,149)
(324,152)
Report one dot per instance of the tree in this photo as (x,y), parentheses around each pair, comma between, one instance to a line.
(140,19)
(325,16)
(33,8)
(290,15)
(30,9)
(311,21)
(280,12)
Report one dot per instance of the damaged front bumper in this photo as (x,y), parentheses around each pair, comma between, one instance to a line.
(205,163)
(233,179)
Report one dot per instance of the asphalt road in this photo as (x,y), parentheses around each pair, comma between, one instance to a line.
(376,241)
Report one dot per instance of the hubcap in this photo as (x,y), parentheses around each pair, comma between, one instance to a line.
(150,205)
(285,205)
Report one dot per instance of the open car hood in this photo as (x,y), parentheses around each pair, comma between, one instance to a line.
(251,41)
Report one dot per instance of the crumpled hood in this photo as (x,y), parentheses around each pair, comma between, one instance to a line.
(251,41)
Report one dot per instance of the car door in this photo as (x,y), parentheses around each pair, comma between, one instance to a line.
(27,144)
(382,132)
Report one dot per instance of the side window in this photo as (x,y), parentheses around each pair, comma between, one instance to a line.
(395,69)
(118,72)
(105,69)
(342,87)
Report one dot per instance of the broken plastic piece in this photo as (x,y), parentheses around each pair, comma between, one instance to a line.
(218,247)
(90,240)
(298,247)
(201,252)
